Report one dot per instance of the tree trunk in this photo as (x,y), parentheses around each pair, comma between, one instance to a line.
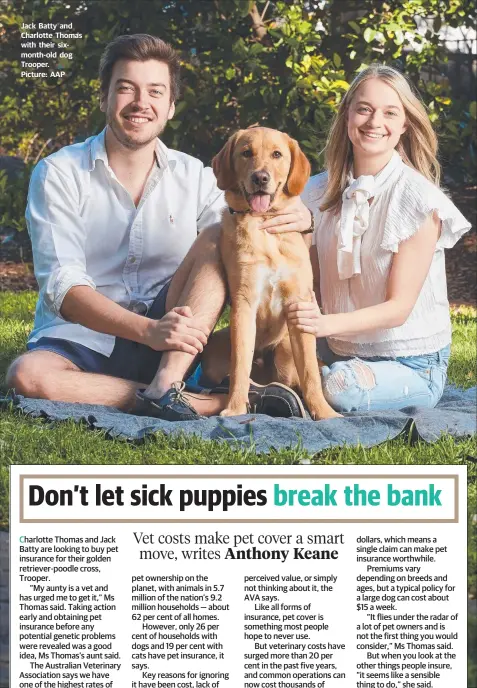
(258,26)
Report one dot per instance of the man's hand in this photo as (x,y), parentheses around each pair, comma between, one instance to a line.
(295,218)
(178,330)
(306,317)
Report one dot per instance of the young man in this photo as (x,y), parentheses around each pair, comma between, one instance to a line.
(125,248)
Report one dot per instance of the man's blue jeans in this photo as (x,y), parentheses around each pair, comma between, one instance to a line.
(381,384)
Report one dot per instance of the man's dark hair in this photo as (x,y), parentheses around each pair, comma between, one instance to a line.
(140,47)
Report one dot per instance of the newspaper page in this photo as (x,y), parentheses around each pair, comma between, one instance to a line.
(271,577)
(287,571)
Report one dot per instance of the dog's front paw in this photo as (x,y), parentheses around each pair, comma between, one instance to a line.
(234,410)
(323,412)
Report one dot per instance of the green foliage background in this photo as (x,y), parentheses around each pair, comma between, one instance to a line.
(282,63)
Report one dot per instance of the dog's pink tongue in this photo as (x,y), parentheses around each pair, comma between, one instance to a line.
(260,203)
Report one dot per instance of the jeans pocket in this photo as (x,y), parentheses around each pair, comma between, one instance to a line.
(437,382)
(426,374)
(419,364)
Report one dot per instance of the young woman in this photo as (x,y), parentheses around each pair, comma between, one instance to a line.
(381,226)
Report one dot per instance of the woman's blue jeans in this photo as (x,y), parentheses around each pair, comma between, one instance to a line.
(380,384)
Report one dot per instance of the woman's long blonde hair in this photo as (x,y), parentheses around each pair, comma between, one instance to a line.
(417,146)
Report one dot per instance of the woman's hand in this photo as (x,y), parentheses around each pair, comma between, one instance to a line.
(306,317)
(295,218)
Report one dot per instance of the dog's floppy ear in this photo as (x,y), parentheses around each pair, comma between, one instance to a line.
(299,169)
(222,164)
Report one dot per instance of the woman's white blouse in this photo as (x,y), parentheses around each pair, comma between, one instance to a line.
(394,216)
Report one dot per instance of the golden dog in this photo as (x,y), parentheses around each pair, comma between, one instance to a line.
(261,170)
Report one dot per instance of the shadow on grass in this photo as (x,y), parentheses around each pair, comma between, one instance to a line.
(472,650)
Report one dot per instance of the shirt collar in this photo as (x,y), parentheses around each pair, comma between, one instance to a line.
(164,156)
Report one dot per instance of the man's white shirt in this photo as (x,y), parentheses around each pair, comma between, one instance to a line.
(86,230)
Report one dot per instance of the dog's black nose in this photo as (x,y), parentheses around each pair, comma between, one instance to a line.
(260,178)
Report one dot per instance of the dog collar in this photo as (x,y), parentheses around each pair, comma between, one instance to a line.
(237,212)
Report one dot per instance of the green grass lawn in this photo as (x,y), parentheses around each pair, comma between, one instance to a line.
(28,441)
